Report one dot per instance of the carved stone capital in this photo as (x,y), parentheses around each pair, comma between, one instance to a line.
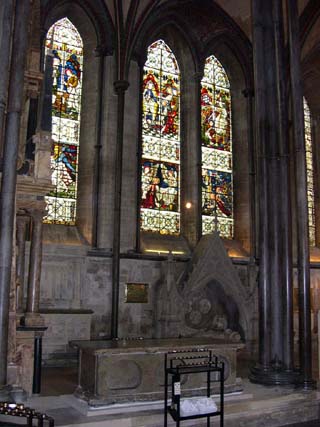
(42,160)
(42,140)
(33,319)
(33,82)
(120,86)
(37,214)
(29,203)
(22,221)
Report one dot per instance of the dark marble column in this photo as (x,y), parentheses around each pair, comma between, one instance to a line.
(275,261)
(249,95)
(285,221)
(45,105)
(197,79)
(9,176)
(100,54)
(261,137)
(22,222)
(120,87)
(32,316)
(6,14)
(305,348)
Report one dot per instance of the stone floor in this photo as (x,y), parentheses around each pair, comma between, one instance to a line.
(257,406)
(307,424)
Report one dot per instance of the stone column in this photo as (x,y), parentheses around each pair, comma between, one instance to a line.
(120,87)
(275,261)
(100,54)
(261,137)
(9,176)
(6,16)
(42,138)
(21,222)
(32,316)
(249,95)
(191,159)
(285,220)
(305,348)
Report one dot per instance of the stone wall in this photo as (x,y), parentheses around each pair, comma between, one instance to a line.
(76,290)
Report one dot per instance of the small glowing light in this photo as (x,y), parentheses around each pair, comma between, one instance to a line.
(158,251)
(188,205)
(162,251)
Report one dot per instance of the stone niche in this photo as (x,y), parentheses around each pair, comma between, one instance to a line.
(208,299)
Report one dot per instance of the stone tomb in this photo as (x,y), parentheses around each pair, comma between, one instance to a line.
(116,371)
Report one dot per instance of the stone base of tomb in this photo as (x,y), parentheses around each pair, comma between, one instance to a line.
(117,371)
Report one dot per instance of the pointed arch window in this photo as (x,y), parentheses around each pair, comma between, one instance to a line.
(65,43)
(216,150)
(310,179)
(160,166)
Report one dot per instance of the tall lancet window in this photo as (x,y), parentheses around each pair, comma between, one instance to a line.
(217,189)
(65,43)
(160,165)
(310,180)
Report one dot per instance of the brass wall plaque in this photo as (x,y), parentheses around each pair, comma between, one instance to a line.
(137,292)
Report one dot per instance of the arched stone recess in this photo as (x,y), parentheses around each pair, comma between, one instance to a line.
(175,38)
(73,283)
(311,79)
(97,32)
(234,57)
(208,300)
(310,73)
(90,18)
(308,19)
(211,32)
(215,292)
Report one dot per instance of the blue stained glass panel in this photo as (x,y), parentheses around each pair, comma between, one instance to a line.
(64,43)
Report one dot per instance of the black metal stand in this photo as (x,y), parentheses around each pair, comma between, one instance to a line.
(187,362)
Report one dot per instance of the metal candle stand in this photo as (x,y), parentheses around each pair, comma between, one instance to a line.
(19,410)
(187,362)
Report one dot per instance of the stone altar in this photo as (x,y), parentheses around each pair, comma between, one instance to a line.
(114,371)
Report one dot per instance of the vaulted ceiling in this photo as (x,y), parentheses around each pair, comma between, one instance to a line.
(138,10)
(120,23)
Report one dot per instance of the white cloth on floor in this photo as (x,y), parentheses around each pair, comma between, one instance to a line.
(197,406)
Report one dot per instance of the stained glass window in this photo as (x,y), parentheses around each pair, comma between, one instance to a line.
(309,163)
(217,191)
(160,163)
(65,43)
